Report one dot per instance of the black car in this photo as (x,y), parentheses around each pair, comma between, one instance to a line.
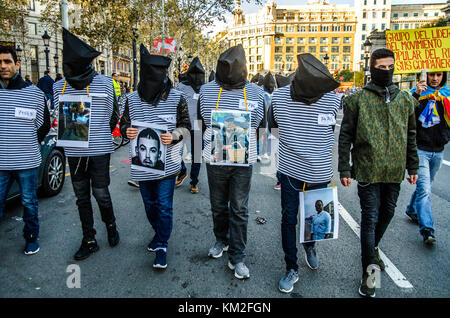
(52,170)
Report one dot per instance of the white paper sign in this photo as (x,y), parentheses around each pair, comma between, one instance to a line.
(251,105)
(25,113)
(326,120)
(195,97)
(169,118)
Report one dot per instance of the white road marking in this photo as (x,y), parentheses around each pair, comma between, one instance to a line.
(445,162)
(391,270)
(338,125)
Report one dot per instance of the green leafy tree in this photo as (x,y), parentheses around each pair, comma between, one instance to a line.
(12,16)
(441,22)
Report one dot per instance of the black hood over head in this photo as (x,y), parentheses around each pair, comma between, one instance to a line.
(77,61)
(195,75)
(312,80)
(153,80)
(212,76)
(269,83)
(182,77)
(282,80)
(231,71)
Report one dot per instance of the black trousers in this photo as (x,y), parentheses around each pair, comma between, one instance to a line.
(86,172)
(378,202)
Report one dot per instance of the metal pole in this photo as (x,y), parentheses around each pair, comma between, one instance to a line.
(134,62)
(46,58)
(366,58)
(163,27)
(56,55)
(65,14)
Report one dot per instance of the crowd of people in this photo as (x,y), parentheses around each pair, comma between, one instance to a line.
(384,132)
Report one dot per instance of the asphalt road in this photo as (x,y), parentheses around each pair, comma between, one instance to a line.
(126,270)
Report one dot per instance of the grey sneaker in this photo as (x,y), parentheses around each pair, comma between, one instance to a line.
(311,257)
(286,284)
(217,250)
(240,270)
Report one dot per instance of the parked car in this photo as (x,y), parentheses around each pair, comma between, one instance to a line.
(52,170)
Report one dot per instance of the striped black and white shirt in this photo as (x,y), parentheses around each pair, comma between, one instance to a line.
(231,100)
(306,135)
(100,137)
(21,115)
(164,114)
(192,100)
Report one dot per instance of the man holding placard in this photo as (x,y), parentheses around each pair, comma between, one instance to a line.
(88,112)
(155,119)
(231,109)
(433,133)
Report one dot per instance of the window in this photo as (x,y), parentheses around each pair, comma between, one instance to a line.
(290,28)
(289,58)
(259,58)
(289,67)
(395,15)
(364,15)
(405,14)
(365,2)
(260,42)
(253,42)
(251,58)
(300,40)
(260,51)
(347,40)
(323,40)
(324,28)
(300,49)
(347,49)
(362,57)
(346,58)
(425,14)
(312,41)
(313,28)
(384,2)
(278,49)
(334,58)
(252,51)
(416,14)
(364,27)
(278,58)
(312,49)
(406,26)
(383,26)
(335,40)
(383,15)
(245,45)
(31,5)
(396,27)
(374,15)
(348,28)
(336,28)
(363,37)
(279,29)
(346,66)
(32,28)
(289,41)
(335,49)
(374,26)
(417,26)
(436,14)
(323,49)
(301,28)
(375,2)
(289,49)
(334,67)
(278,41)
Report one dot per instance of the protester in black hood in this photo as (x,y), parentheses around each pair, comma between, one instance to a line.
(153,80)
(255,79)
(231,71)
(212,76)
(312,80)
(269,83)
(195,75)
(182,77)
(282,80)
(77,61)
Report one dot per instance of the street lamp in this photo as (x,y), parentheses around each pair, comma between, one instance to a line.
(46,39)
(367,46)
(19,54)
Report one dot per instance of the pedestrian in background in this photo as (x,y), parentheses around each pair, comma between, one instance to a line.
(28,79)
(304,113)
(89,167)
(24,123)
(229,186)
(433,133)
(379,122)
(45,83)
(156,102)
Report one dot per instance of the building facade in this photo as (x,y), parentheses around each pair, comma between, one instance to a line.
(275,35)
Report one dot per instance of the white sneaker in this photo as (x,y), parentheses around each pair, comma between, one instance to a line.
(240,270)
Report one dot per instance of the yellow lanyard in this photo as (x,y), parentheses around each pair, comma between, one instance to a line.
(304,185)
(245,98)
(64,89)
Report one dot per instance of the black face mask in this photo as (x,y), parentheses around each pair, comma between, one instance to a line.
(231,72)
(195,75)
(77,61)
(381,78)
(153,80)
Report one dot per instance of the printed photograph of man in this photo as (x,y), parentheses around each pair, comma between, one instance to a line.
(148,152)
(321,223)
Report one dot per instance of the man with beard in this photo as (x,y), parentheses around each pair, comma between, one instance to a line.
(156,102)
(89,167)
(229,186)
(148,153)
(379,122)
(24,123)
(433,133)
(195,78)
(298,112)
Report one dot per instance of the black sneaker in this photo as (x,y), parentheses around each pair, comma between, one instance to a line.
(113,235)
(364,289)
(378,259)
(428,238)
(412,217)
(86,249)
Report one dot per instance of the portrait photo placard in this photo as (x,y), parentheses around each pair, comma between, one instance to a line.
(147,150)
(319,215)
(230,138)
(74,121)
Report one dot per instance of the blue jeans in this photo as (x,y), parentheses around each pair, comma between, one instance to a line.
(196,159)
(158,202)
(28,183)
(420,203)
(290,201)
